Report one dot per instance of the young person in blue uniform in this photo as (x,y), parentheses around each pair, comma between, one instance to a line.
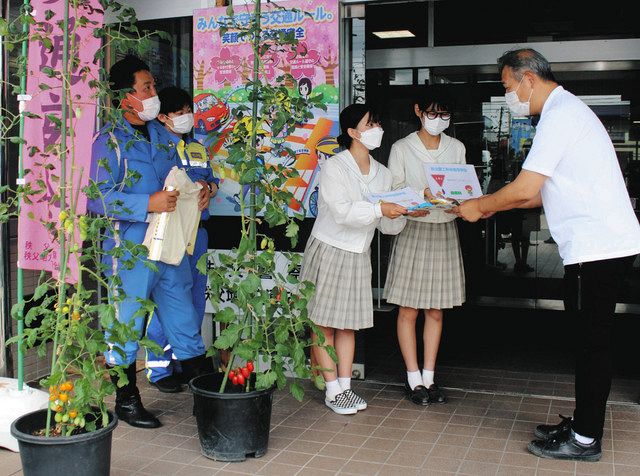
(177,117)
(130,162)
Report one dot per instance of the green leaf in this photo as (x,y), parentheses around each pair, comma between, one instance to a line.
(226,315)
(332,353)
(266,379)
(17,310)
(297,391)
(40,291)
(250,284)
(282,333)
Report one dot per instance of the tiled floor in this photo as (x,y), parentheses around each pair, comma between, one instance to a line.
(475,433)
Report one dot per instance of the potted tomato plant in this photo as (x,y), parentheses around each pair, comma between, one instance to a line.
(66,314)
(265,327)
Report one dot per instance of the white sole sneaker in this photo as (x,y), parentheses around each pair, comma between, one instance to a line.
(356,400)
(342,404)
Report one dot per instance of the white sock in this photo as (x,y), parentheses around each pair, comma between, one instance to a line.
(585,440)
(345,383)
(427,377)
(333,389)
(414,379)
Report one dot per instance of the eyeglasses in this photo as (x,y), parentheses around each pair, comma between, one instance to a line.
(433,114)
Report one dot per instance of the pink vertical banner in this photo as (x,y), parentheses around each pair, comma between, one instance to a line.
(42,136)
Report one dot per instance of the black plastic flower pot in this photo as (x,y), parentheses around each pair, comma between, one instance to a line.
(234,424)
(76,455)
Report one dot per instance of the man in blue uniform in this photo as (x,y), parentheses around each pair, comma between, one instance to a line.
(177,117)
(130,162)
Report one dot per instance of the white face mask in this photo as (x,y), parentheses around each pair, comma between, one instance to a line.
(182,124)
(517,107)
(372,138)
(150,108)
(435,126)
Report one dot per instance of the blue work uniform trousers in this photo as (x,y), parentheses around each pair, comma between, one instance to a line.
(170,290)
(161,366)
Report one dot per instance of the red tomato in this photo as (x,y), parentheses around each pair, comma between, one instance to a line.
(232,374)
(250,366)
(245,372)
(235,380)
(240,379)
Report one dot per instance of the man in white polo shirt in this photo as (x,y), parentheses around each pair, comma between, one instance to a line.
(571,170)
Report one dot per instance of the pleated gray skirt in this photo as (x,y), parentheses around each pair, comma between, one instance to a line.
(425,268)
(343,297)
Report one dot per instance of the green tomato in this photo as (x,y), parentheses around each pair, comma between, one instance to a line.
(65,418)
(58,418)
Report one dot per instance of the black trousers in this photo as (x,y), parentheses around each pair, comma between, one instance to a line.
(591,291)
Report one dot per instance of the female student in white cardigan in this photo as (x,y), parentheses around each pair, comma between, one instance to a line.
(425,269)
(337,255)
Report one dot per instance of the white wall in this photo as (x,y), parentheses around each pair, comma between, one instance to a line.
(153,9)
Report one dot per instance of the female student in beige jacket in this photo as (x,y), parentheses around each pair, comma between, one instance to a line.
(425,269)
(337,255)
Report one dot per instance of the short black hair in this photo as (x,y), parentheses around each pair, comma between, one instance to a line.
(350,117)
(173,99)
(306,81)
(122,75)
(433,96)
(526,59)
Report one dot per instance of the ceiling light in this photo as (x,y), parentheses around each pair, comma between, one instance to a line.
(386,35)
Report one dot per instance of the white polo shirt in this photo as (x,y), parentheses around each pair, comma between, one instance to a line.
(585,199)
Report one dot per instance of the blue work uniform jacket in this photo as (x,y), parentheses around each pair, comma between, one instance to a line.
(128,200)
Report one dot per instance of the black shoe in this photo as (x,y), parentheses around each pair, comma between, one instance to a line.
(436,395)
(195,367)
(169,384)
(128,403)
(565,446)
(544,432)
(418,395)
(131,411)
(522,268)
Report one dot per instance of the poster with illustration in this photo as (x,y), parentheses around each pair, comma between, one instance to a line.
(222,66)
(453,181)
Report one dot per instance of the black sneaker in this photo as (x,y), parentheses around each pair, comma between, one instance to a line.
(565,446)
(544,432)
(168,385)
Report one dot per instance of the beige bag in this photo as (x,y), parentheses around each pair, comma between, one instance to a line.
(170,234)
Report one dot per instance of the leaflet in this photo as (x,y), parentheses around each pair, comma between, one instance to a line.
(406,197)
(457,182)
(411,200)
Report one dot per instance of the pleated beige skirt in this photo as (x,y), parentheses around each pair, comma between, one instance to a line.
(343,298)
(425,268)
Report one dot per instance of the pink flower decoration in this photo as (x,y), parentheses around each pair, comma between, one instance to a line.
(226,67)
(269,63)
(303,61)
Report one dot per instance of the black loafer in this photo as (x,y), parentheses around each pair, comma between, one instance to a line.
(418,395)
(436,395)
(565,446)
(544,432)
(168,385)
